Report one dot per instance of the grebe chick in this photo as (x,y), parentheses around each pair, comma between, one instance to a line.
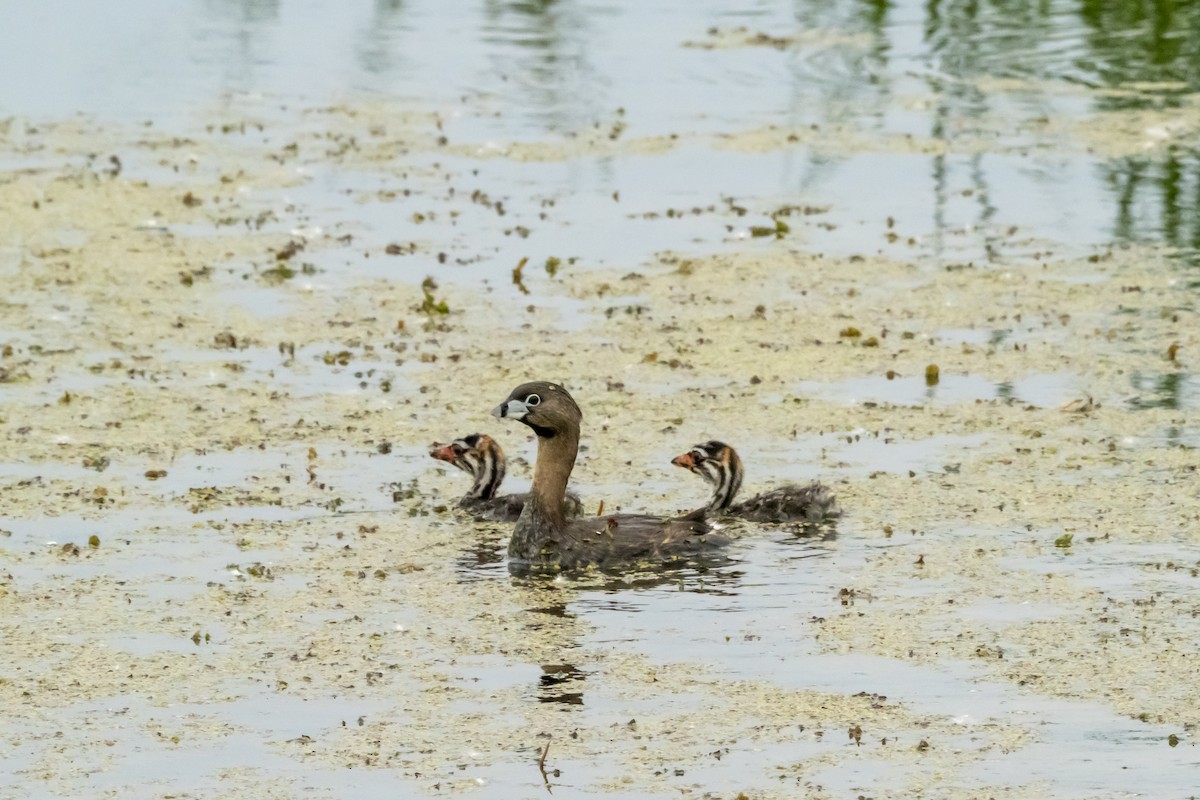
(545,539)
(719,464)
(481,457)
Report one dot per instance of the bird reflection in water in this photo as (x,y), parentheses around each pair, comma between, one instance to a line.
(561,683)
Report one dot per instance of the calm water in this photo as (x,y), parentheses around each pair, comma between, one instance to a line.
(502,71)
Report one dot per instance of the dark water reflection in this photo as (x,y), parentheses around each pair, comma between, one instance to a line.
(1157,198)
(528,68)
(554,604)
(651,603)
(1096,42)
(1172,390)
(564,60)
(1144,42)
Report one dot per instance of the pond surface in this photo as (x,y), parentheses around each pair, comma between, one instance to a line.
(258,255)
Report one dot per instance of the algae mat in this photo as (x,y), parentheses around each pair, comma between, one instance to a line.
(230,568)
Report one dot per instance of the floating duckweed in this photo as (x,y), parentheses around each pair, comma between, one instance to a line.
(259,570)
(518,275)
(288,250)
(778,230)
(429,305)
(932,375)
(226,340)
(850,333)
(278,274)
(98,463)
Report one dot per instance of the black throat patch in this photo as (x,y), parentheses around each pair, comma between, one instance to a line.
(543,433)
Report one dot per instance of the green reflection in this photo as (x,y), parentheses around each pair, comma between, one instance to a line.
(380,50)
(1157,197)
(551,63)
(1166,390)
(1097,42)
(1144,42)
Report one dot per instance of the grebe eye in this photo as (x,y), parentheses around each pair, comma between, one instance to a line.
(533,400)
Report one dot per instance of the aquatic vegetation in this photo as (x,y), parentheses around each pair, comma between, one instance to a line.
(429,305)
(518,276)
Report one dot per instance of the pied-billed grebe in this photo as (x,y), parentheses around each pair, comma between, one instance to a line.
(543,536)
(481,457)
(719,464)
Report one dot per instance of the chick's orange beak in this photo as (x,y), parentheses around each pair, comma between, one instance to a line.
(687,461)
(443,452)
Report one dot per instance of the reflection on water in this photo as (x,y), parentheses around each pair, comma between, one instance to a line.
(1044,390)
(669,616)
(569,59)
(500,71)
(381,47)
(1093,42)
(1133,42)
(561,683)
(483,551)
(1157,198)
(1173,390)
(543,49)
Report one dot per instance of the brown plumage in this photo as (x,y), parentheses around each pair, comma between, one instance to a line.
(719,464)
(545,538)
(481,457)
